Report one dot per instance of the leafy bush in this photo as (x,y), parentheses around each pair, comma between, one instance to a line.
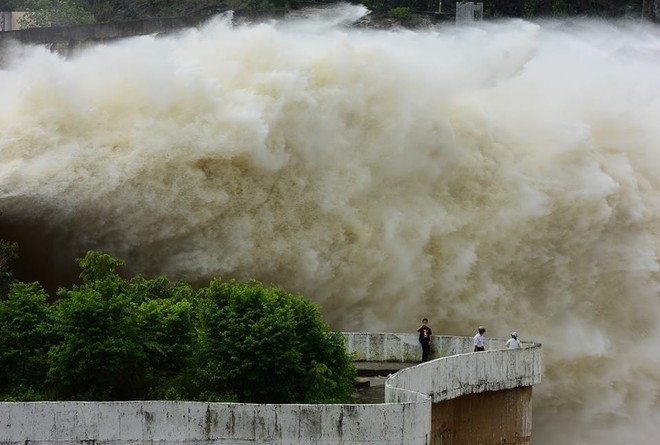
(120,339)
(168,337)
(25,339)
(8,253)
(402,14)
(45,13)
(111,338)
(97,354)
(265,345)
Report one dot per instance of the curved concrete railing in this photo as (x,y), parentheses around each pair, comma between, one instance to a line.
(405,419)
(404,347)
(458,371)
(483,397)
(463,374)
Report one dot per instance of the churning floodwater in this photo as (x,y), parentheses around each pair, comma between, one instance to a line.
(504,174)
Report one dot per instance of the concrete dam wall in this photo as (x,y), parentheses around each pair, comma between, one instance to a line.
(464,398)
(70,40)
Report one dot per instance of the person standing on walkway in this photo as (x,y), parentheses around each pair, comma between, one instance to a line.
(425,339)
(513,342)
(479,339)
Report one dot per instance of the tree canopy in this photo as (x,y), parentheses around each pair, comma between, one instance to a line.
(8,253)
(75,12)
(255,334)
(114,338)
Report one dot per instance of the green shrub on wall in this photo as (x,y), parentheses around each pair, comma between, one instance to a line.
(265,345)
(45,13)
(112,338)
(402,14)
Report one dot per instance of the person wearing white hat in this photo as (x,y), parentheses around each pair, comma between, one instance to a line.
(513,342)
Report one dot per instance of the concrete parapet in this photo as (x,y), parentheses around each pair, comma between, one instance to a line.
(478,398)
(458,375)
(404,347)
(170,423)
(434,403)
(382,347)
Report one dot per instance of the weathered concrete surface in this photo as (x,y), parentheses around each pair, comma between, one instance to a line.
(459,375)
(478,398)
(405,347)
(371,369)
(97,32)
(499,417)
(114,30)
(169,423)
(70,40)
(435,402)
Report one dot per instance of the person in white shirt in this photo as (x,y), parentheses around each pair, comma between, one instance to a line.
(479,339)
(513,342)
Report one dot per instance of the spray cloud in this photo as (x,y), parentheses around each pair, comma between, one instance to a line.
(503,175)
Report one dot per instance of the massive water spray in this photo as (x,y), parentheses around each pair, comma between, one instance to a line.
(503,175)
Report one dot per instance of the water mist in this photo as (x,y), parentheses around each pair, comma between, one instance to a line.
(503,175)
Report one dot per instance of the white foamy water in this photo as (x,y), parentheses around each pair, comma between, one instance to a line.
(505,175)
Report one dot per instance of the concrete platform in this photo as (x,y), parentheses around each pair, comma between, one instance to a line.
(374,392)
(370,385)
(373,369)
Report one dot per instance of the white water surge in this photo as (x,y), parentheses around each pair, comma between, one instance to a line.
(505,175)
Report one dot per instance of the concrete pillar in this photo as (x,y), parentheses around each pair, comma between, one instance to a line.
(488,418)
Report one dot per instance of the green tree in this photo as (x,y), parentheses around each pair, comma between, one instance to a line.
(8,253)
(25,327)
(97,355)
(122,10)
(119,338)
(402,14)
(167,335)
(265,345)
(112,338)
(46,13)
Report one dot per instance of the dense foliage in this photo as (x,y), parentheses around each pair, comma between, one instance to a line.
(8,253)
(112,338)
(255,335)
(70,12)
(25,330)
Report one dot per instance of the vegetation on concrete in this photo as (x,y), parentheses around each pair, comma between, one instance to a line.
(71,12)
(42,13)
(115,338)
(402,14)
(255,335)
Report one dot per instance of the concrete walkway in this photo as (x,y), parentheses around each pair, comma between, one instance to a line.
(371,380)
(372,369)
